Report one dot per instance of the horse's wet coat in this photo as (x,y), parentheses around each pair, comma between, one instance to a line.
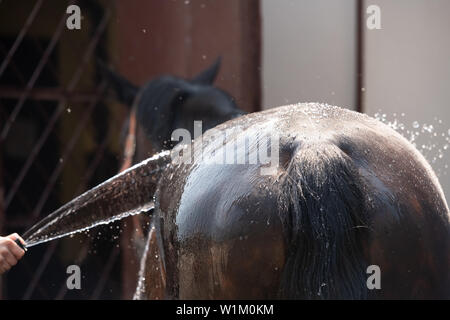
(228,234)
(349,192)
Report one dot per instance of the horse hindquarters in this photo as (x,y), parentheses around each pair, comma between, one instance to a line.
(343,213)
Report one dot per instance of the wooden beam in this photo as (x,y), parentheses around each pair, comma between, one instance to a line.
(49,94)
(360,23)
(182,38)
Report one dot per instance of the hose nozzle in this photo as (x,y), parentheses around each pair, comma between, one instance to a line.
(21,245)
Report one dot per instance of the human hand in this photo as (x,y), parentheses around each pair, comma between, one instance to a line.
(10,252)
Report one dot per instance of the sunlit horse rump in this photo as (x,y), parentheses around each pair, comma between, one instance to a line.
(349,192)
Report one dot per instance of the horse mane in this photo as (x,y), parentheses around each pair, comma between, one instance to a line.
(322,211)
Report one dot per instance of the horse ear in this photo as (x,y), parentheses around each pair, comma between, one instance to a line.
(124,90)
(208,76)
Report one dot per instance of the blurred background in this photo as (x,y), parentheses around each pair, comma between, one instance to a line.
(61,133)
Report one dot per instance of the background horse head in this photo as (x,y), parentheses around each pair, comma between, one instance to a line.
(167,103)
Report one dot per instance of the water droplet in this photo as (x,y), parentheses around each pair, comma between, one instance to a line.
(428,128)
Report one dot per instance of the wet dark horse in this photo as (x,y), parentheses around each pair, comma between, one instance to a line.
(347,192)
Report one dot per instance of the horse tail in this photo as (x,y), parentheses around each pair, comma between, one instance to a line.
(325,226)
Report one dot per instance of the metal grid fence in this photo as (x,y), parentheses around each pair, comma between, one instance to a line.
(35,153)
